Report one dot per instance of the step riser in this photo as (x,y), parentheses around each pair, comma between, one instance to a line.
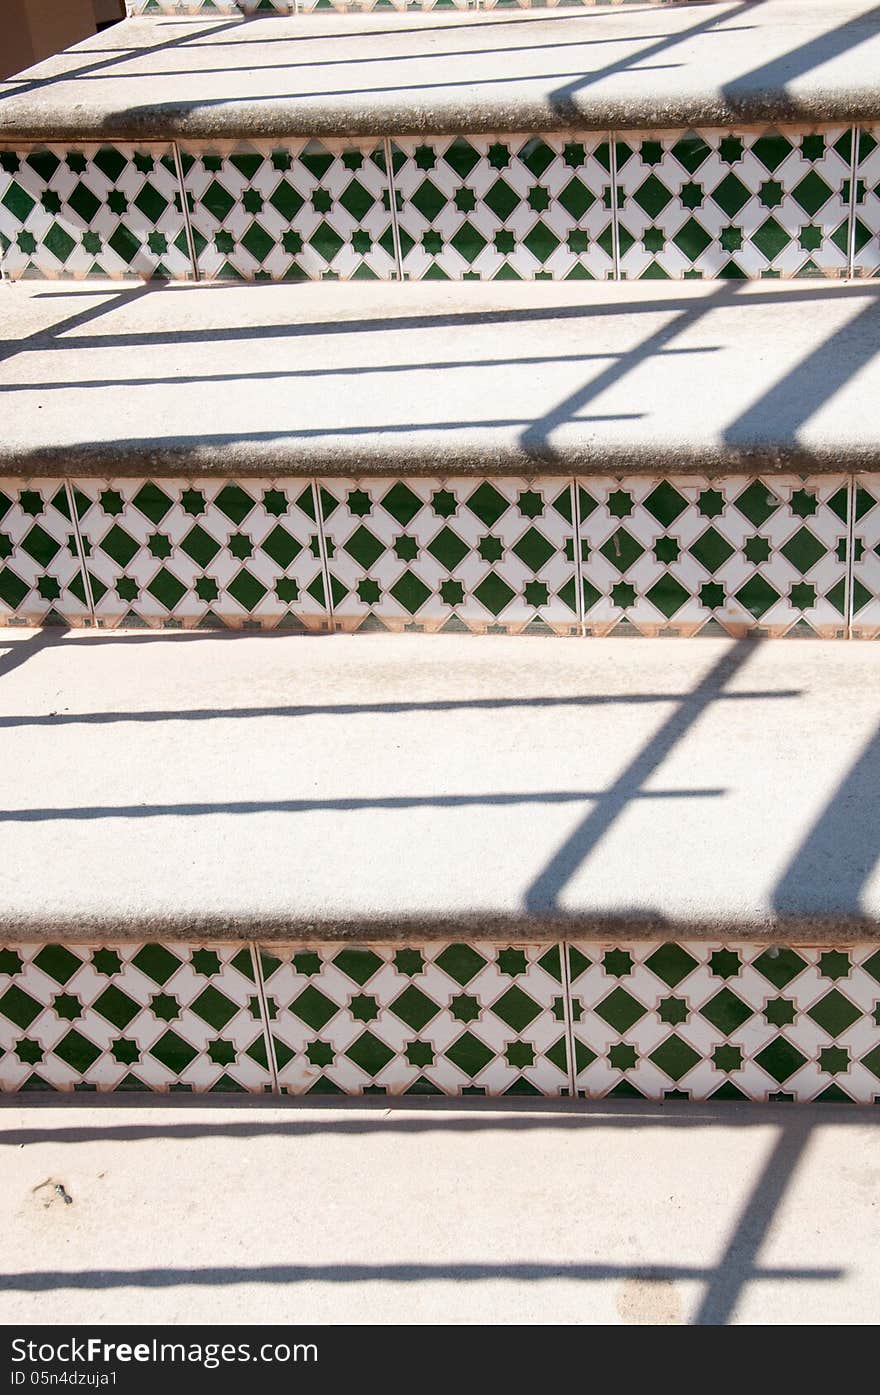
(646,1020)
(681,556)
(237,8)
(756,202)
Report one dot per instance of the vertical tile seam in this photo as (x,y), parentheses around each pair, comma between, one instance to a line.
(264,1012)
(850,552)
(851,229)
(81,553)
(615,213)
(184,207)
(392,199)
(324,559)
(578,565)
(569,1017)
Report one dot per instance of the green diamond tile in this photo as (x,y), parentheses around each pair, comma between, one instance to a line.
(371,1054)
(448,548)
(19,1007)
(152,502)
(780,1059)
(314,1008)
(214,1007)
(803,550)
(414,1008)
(757,596)
(780,966)
(116,1006)
(516,1008)
(58,962)
(620,1010)
(672,963)
(157,962)
(534,550)
(167,588)
(410,592)
(77,1051)
(622,550)
(834,1013)
(402,503)
(711,550)
(173,1052)
(460,962)
(494,593)
(364,547)
(246,589)
(470,1054)
(358,964)
(726,1011)
(675,1057)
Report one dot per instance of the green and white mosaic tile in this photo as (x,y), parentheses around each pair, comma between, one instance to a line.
(131,1017)
(744,203)
(866,232)
(291,211)
(681,555)
(110,210)
(866,558)
(201,552)
(504,207)
(736,1021)
(617,1020)
(451,1019)
(40,572)
(207,8)
(482,555)
(362,6)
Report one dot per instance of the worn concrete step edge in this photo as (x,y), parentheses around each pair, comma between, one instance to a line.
(387,788)
(372,379)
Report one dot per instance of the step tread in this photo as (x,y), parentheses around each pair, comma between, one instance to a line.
(376,785)
(451,72)
(363,378)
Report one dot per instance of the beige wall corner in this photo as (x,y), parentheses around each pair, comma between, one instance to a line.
(34,29)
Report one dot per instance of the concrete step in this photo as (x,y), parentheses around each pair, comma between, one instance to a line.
(343,458)
(636,869)
(713,141)
(616,1220)
(380,380)
(449,73)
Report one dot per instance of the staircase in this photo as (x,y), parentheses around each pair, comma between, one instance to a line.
(344,354)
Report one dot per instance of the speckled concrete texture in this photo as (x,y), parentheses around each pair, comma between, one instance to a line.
(516,1212)
(780,60)
(384,786)
(361,378)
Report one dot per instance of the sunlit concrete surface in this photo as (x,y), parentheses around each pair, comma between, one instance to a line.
(363,377)
(376,785)
(369,1213)
(453,72)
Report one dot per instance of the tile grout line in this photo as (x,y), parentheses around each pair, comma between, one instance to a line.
(392,199)
(615,226)
(184,208)
(569,1015)
(81,553)
(851,227)
(324,559)
(850,551)
(267,1034)
(578,566)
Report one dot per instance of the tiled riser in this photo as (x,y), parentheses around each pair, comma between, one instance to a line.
(208,8)
(675,204)
(628,1020)
(678,556)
